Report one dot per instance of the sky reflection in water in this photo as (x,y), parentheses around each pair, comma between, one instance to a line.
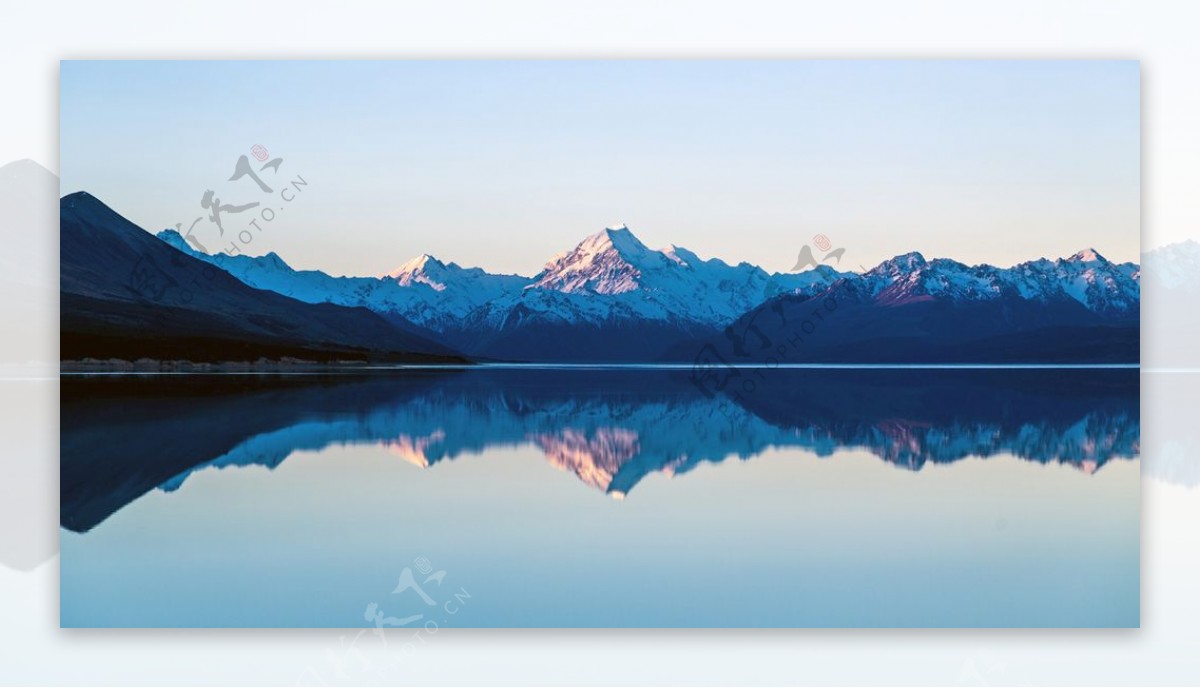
(822,498)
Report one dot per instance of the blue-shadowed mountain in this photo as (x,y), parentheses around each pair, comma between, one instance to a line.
(127,295)
(1081,309)
(611,298)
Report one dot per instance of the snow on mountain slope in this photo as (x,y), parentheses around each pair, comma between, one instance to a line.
(633,281)
(673,284)
(463,288)
(1087,277)
(425,291)
(610,262)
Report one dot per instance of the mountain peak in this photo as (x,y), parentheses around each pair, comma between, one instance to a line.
(83,200)
(905,262)
(276,260)
(617,237)
(1087,255)
(173,238)
(608,262)
(682,256)
(423,269)
(421,263)
(24,169)
(98,215)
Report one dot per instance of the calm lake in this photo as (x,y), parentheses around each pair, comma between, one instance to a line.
(613,497)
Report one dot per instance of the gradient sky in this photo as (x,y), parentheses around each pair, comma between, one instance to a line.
(502,164)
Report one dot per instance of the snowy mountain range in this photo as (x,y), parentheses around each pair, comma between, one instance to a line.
(1086,277)
(632,282)
(613,298)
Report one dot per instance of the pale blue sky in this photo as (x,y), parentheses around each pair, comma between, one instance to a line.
(502,164)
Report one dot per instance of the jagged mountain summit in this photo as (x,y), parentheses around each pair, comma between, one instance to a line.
(1086,277)
(1081,309)
(613,261)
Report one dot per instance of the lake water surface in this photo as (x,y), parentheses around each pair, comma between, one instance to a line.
(583,497)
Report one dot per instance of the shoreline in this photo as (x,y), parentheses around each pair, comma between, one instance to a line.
(286,364)
(295,365)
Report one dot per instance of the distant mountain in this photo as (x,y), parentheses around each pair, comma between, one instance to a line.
(424,291)
(1082,309)
(125,294)
(611,298)
(1172,306)
(1087,278)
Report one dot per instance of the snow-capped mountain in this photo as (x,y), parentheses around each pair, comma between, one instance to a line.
(425,291)
(610,262)
(611,297)
(1081,309)
(1086,277)
(459,289)
(1172,306)
(673,284)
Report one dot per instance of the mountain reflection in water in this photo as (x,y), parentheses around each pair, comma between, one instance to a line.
(122,437)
